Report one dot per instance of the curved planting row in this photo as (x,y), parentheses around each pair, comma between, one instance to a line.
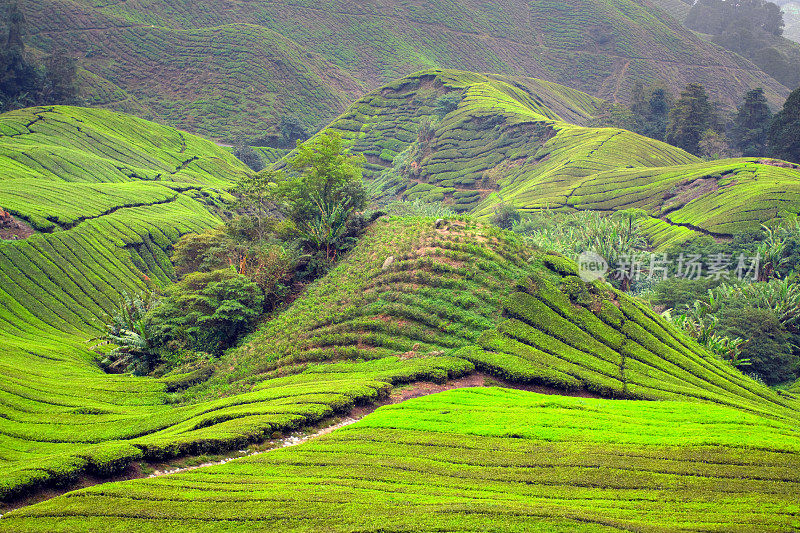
(475,141)
(477,460)
(568,334)
(413,301)
(232,68)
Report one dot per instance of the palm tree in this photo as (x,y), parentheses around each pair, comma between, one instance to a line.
(128,329)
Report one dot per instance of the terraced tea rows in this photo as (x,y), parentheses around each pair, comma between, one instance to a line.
(235,69)
(508,140)
(347,340)
(477,460)
(428,313)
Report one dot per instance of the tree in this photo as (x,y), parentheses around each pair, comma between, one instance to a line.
(207,311)
(128,329)
(714,145)
(651,107)
(784,132)
(692,115)
(751,124)
(247,155)
(325,194)
(255,194)
(773,19)
(291,130)
(767,345)
(19,80)
(60,72)
(23,82)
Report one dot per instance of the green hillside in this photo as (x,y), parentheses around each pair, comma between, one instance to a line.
(436,313)
(524,142)
(477,460)
(106,195)
(222,68)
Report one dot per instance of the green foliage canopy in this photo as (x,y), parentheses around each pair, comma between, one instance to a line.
(324,195)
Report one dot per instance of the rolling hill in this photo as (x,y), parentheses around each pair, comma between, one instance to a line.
(105,195)
(525,142)
(223,68)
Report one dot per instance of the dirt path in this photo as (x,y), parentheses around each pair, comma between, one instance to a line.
(399,394)
(285,442)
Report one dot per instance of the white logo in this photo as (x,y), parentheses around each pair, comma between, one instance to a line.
(591,266)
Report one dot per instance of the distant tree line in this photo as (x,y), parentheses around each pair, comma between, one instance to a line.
(695,123)
(25,82)
(751,28)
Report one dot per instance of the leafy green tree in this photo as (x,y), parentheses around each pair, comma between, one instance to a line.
(291,130)
(60,72)
(751,124)
(784,132)
(19,79)
(203,252)
(763,314)
(691,117)
(23,82)
(773,19)
(256,195)
(651,107)
(714,145)
(768,344)
(207,311)
(325,194)
(247,155)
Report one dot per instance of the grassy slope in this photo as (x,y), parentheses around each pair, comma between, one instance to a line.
(115,192)
(515,140)
(311,58)
(474,293)
(352,336)
(110,194)
(477,460)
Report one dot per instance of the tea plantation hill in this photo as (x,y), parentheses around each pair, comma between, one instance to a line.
(484,459)
(109,194)
(524,142)
(221,68)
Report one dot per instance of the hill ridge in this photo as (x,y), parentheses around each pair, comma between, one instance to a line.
(549,40)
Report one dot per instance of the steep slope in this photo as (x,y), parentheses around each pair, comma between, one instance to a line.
(477,460)
(472,292)
(310,59)
(515,140)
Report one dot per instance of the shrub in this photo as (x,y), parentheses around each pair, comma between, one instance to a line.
(447,104)
(768,345)
(207,311)
(505,216)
